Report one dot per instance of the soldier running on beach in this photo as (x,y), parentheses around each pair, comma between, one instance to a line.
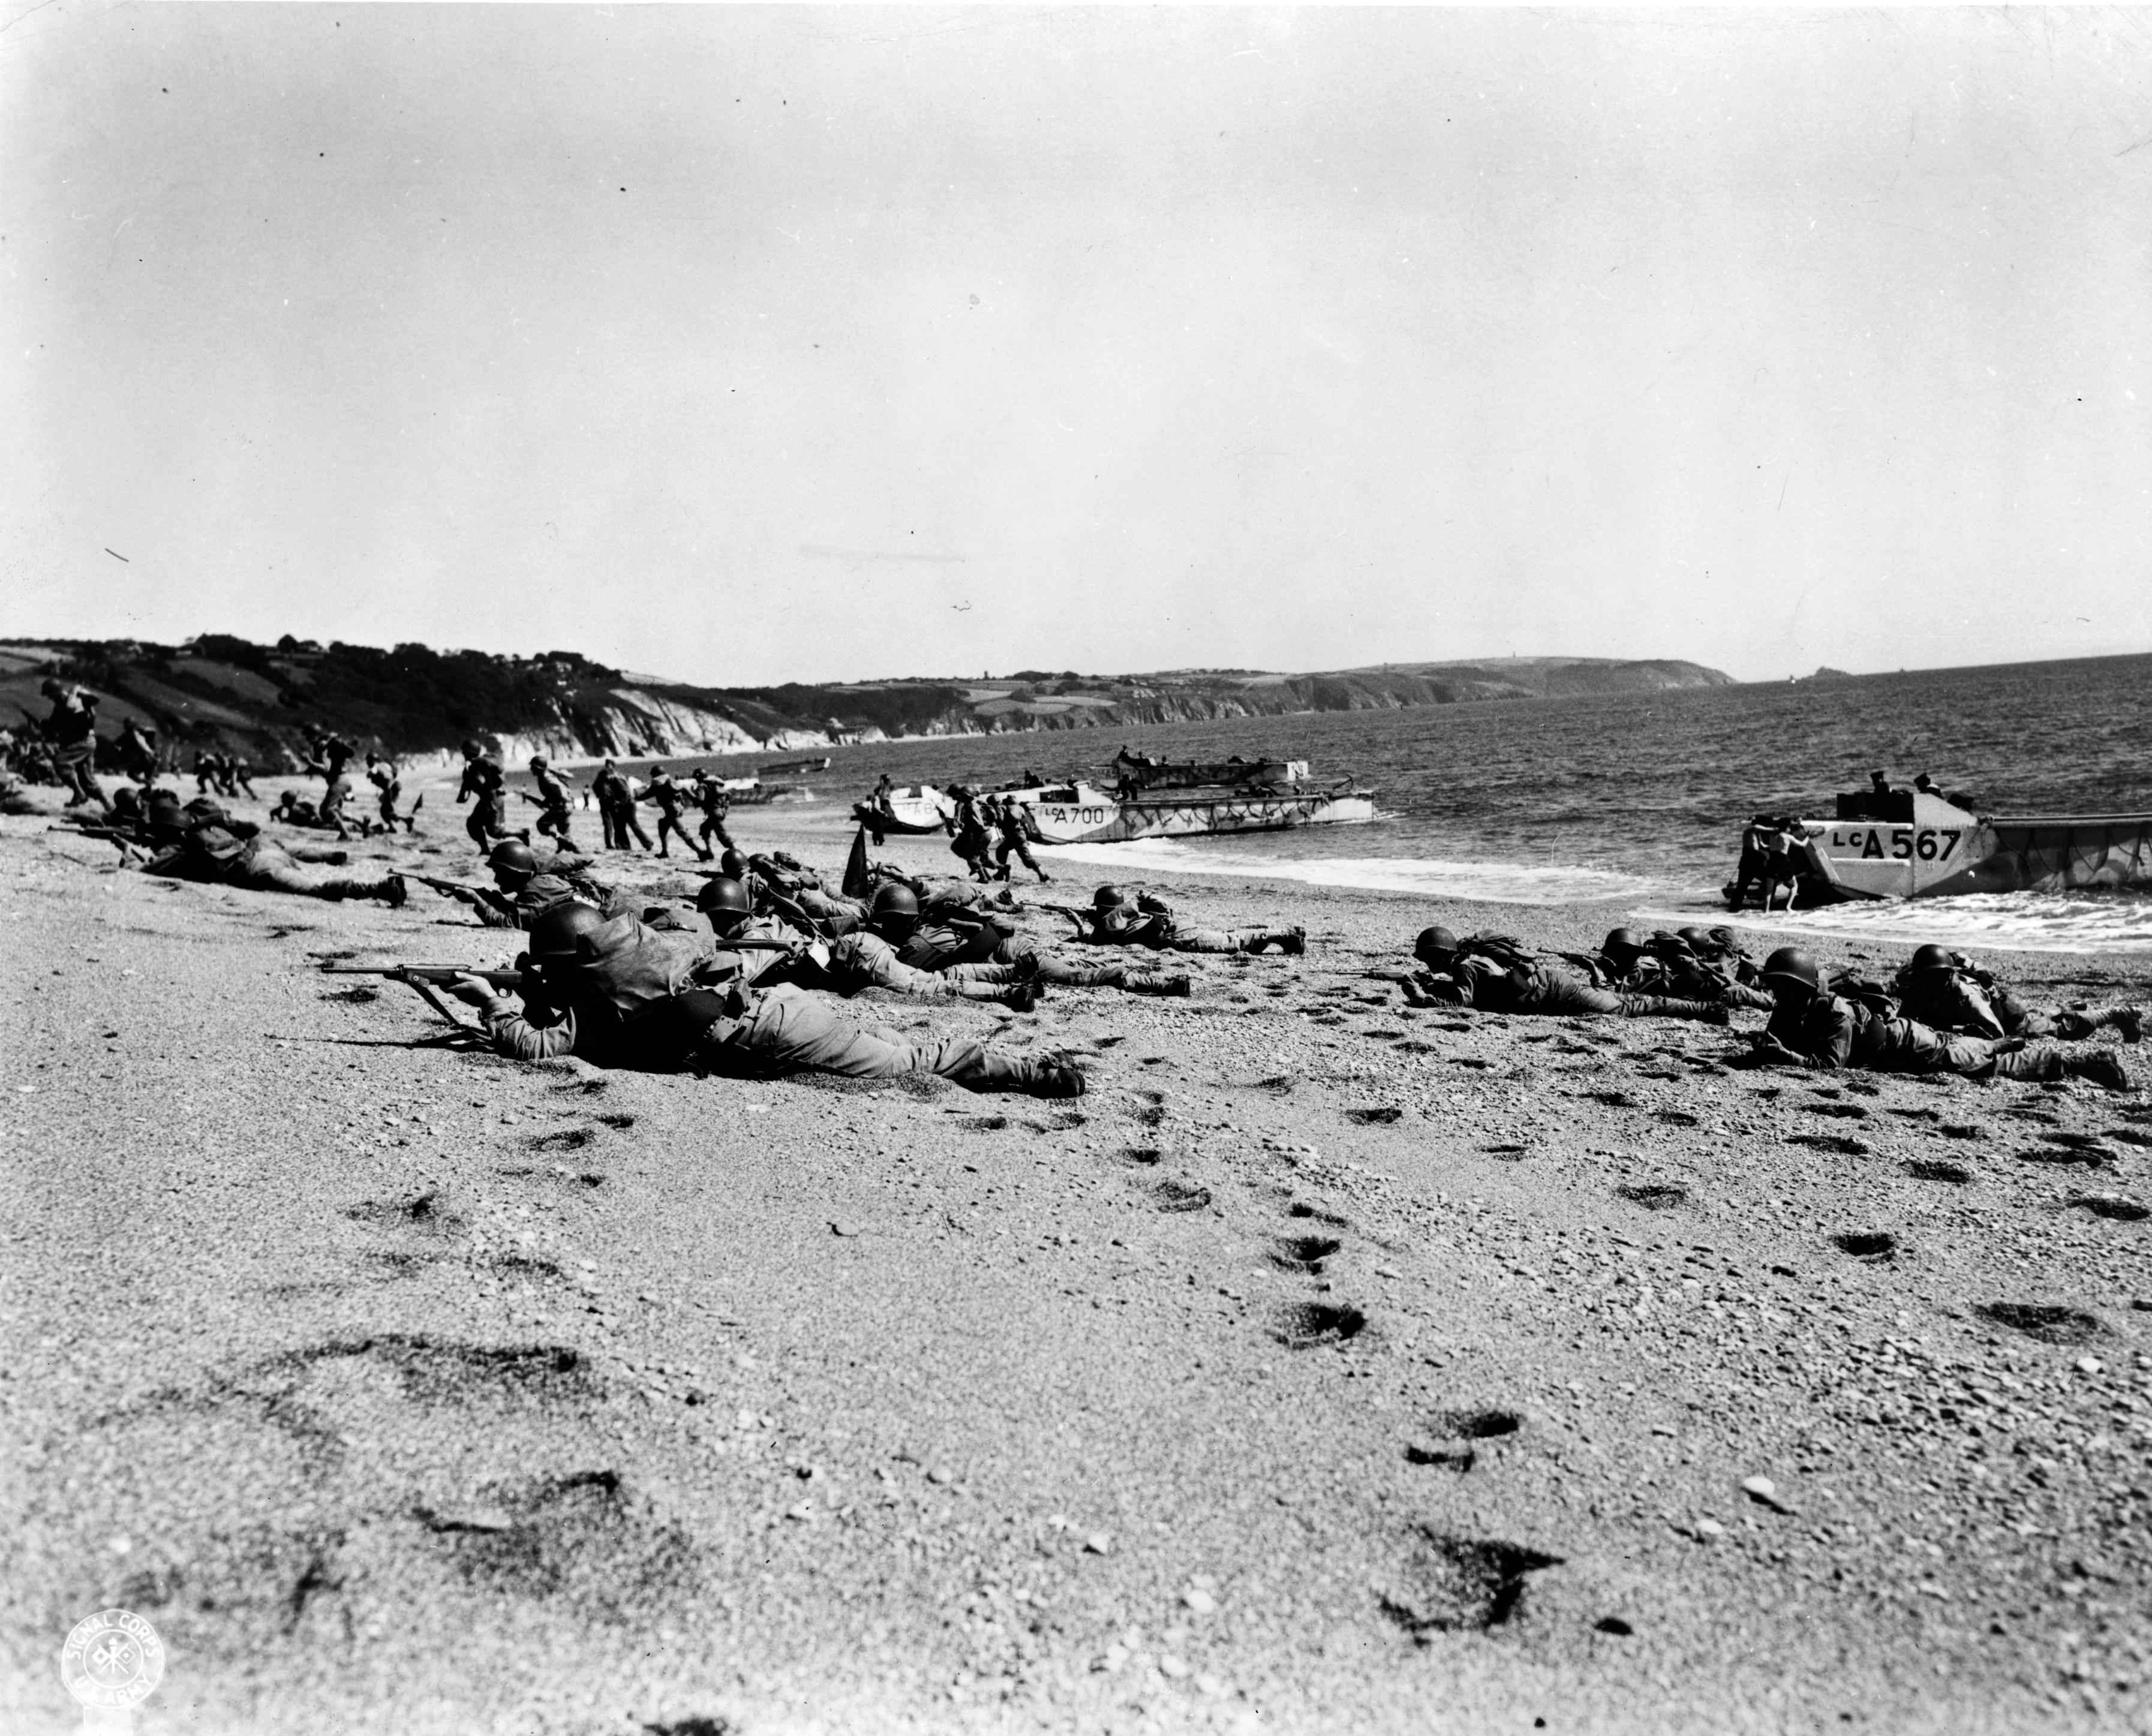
(708,795)
(555,814)
(1491,973)
(1811,1026)
(71,733)
(1113,921)
(137,748)
(1009,819)
(666,793)
(483,782)
(387,786)
(620,993)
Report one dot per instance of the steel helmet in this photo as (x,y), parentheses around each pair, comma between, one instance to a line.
(1790,964)
(472,750)
(1107,898)
(554,935)
(1932,957)
(723,896)
(1433,943)
(537,762)
(893,902)
(511,855)
(1622,940)
(735,865)
(1699,939)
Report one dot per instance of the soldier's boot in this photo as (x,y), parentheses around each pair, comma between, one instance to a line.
(2040,1062)
(394,892)
(1020,996)
(2103,1066)
(1167,983)
(2129,1020)
(1704,1012)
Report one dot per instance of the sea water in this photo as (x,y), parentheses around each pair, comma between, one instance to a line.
(1634,800)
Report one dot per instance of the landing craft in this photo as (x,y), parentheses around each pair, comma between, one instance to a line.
(1155,800)
(1919,844)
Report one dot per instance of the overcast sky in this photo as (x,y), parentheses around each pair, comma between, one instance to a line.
(745,344)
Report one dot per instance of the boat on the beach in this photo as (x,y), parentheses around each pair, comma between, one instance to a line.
(1079,812)
(1919,844)
(786,768)
(912,810)
(1136,771)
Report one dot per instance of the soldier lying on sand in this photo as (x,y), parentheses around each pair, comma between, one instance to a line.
(941,936)
(1811,1026)
(1492,974)
(1947,992)
(1113,921)
(526,888)
(619,993)
(215,856)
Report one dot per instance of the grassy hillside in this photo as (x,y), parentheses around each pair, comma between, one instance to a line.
(229,693)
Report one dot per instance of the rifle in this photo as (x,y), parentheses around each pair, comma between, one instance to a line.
(423,977)
(110,834)
(446,888)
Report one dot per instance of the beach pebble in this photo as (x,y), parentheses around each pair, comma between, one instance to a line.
(1200,1600)
(1112,1658)
(1209,1687)
(1098,1544)
(2090,1365)
(843,1226)
(1764,1491)
(1709,1531)
(1169,1665)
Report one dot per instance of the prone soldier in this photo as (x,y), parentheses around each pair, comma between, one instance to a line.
(523,889)
(1811,1026)
(1947,992)
(620,993)
(1113,921)
(943,937)
(1492,974)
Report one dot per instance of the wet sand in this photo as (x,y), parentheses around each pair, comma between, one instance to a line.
(1329,1367)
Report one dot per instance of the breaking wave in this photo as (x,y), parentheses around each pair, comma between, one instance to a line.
(2014,922)
(1415,876)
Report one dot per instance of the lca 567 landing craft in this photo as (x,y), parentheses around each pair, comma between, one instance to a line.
(1913,844)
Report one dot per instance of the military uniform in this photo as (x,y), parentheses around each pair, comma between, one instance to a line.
(554,817)
(715,804)
(1151,923)
(1960,1002)
(137,752)
(1491,985)
(1015,841)
(71,732)
(1828,1031)
(983,952)
(641,997)
(215,856)
(668,794)
(482,784)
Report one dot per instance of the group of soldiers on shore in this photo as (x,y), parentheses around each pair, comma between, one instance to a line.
(744,979)
(1940,1014)
(618,797)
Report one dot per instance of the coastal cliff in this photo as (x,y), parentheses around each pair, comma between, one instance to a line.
(414,703)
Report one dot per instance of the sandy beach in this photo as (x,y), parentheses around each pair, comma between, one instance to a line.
(1330,1366)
